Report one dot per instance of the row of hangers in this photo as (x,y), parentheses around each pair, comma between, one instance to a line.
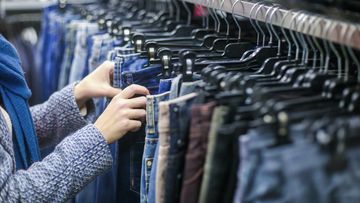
(268,74)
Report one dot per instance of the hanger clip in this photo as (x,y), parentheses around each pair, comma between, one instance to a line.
(188,61)
(165,56)
(138,42)
(127,33)
(151,48)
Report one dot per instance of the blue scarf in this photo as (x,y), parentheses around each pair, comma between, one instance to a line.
(15,94)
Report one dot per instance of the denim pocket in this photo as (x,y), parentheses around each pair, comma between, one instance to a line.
(136,153)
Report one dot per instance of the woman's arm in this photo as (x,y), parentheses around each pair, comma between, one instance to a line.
(74,163)
(59,117)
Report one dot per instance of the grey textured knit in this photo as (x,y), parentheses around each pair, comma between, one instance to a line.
(76,160)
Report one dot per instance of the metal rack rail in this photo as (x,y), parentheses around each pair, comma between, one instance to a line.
(341,32)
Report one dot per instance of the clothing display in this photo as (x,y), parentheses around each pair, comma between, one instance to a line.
(249,101)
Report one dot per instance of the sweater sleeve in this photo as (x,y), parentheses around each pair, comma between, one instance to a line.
(77,160)
(59,117)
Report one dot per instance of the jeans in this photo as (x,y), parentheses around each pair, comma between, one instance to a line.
(251,145)
(101,46)
(164,86)
(218,118)
(79,64)
(70,39)
(145,77)
(175,87)
(173,125)
(196,151)
(131,147)
(151,140)
(55,51)
(122,64)
(188,87)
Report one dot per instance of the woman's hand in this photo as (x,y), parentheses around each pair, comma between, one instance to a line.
(96,84)
(123,114)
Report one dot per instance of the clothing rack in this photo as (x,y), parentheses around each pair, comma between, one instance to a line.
(328,28)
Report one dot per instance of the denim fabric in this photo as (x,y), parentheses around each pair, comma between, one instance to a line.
(131,147)
(218,118)
(172,148)
(188,87)
(145,77)
(164,85)
(196,151)
(251,145)
(55,50)
(79,64)
(151,140)
(43,48)
(175,87)
(122,64)
(70,40)
(102,45)
(305,171)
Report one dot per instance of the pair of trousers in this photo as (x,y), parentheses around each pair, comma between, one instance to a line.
(151,141)
(85,29)
(196,151)
(173,126)
(131,146)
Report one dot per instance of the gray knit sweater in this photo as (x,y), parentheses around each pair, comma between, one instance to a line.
(76,160)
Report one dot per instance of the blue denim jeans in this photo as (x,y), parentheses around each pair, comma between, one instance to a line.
(151,140)
(164,86)
(188,87)
(251,145)
(123,63)
(70,39)
(129,70)
(79,64)
(145,77)
(54,51)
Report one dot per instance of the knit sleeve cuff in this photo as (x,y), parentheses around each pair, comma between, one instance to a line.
(76,116)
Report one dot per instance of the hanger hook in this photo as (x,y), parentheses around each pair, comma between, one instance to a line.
(233,15)
(253,24)
(326,45)
(208,5)
(274,31)
(224,15)
(284,33)
(177,8)
(256,16)
(293,21)
(332,25)
(188,11)
(316,41)
(300,36)
(345,54)
(310,42)
(267,24)
(351,51)
(218,23)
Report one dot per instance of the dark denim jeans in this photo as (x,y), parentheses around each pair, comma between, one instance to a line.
(131,147)
(151,140)
(218,118)
(179,109)
(196,151)
(145,77)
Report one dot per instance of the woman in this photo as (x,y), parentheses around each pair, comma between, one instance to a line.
(78,158)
